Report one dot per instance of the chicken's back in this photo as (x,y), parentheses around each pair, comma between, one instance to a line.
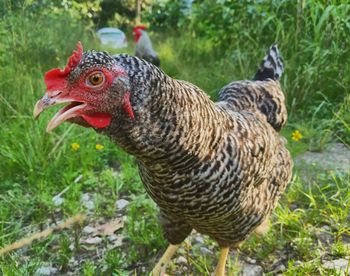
(265,97)
(263,94)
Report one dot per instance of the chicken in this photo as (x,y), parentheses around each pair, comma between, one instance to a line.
(143,47)
(218,168)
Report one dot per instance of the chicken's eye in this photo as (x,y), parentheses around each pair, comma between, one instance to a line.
(95,79)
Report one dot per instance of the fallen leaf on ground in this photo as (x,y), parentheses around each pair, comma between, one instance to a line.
(109,228)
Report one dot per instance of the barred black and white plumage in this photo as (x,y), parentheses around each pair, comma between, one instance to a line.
(219,168)
(216,167)
(271,67)
(263,94)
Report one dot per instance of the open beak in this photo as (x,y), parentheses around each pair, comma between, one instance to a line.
(69,111)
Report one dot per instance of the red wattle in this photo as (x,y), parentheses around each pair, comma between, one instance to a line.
(127,105)
(98,120)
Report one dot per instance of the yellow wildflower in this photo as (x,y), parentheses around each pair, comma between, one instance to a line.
(99,147)
(296,135)
(75,146)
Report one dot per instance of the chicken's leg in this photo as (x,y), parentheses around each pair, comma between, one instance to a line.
(160,267)
(220,268)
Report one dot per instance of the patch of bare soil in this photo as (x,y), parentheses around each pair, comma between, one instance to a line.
(336,157)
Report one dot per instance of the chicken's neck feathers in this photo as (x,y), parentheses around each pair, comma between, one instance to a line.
(171,117)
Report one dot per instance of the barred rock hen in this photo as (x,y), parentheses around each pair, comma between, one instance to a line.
(219,168)
(143,47)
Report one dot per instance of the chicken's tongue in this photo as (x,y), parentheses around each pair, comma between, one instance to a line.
(98,120)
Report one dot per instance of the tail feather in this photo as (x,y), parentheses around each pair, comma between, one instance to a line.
(271,67)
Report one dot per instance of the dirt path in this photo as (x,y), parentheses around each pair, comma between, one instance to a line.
(336,158)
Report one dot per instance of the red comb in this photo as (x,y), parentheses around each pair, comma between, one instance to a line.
(75,57)
(54,79)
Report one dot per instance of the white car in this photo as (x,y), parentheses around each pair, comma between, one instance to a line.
(113,37)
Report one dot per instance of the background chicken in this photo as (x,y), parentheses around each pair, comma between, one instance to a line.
(143,47)
(218,168)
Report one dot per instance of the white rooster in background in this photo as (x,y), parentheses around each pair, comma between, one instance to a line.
(144,48)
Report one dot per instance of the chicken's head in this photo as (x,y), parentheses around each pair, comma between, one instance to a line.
(137,31)
(92,86)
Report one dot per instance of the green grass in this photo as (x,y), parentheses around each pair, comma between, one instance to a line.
(35,166)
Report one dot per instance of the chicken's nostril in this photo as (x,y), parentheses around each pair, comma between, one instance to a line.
(50,97)
(55,93)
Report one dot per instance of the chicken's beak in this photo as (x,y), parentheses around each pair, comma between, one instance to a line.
(42,104)
(69,111)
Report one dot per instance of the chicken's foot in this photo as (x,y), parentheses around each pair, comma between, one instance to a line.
(160,267)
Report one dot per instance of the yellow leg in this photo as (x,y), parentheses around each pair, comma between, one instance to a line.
(160,267)
(220,268)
